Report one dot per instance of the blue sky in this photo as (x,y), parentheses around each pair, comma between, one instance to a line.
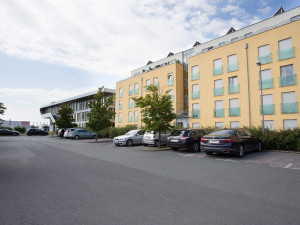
(51,50)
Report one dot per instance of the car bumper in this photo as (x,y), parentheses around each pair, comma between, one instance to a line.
(149,142)
(177,144)
(119,143)
(224,150)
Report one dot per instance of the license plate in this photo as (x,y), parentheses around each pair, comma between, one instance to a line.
(174,140)
(214,141)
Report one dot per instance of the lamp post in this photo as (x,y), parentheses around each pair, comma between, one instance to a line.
(261,98)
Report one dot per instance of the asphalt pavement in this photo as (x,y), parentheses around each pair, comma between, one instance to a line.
(45,180)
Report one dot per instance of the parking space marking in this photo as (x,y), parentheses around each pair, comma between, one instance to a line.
(288,165)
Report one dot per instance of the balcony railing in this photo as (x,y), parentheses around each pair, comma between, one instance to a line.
(135,118)
(266,84)
(232,67)
(195,94)
(218,91)
(136,91)
(120,120)
(287,80)
(130,119)
(217,71)
(232,89)
(264,59)
(195,76)
(120,107)
(155,84)
(268,109)
(219,112)
(120,94)
(170,82)
(291,107)
(130,92)
(285,54)
(234,111)
(195,113)
(129,105)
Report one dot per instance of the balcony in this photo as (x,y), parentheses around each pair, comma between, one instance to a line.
(170,82)
(195,76)
(130,119)
(130,92)
(287,80)
(285,54)
(129,105)
(268,109)
(120,120)
(266,84)
(291,107)
(120,94)
(120,107)
(218,91)
(195,113)
(136,91)
(217,71)
(135,118)
(195,94)
(264,59)
(234,111)
(219,112)
(232,67)
(232,89)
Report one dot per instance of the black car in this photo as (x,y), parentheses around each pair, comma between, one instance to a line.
(230,141)
(187,139)
(60,133)
(35,131)
(8,132)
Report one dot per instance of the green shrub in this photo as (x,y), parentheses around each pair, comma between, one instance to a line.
(8,128)
(22,130)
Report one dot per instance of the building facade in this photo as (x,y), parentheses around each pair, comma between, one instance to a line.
(218,82)
(79,104)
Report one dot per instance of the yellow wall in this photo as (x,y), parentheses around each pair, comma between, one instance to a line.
(206,80)
(162,75)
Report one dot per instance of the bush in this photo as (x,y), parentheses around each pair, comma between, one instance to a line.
(112,132)
(8,128)
(22,130)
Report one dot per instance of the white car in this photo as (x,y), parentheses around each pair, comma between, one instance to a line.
(133,137)
(152,138)
(68,132)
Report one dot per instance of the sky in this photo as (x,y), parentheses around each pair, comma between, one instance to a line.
(52,50)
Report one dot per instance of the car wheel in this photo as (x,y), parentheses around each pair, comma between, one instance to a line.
(129,143)
(208,153)
(195,147)
(175,149)
(240,152)
(259,147)
(76,137)
(94,137)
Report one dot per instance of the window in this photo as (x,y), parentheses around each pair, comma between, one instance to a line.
(287,76)
(233,86)
(120,104)
(234,124)
(130,103)
(234,109)
(221,44)
(130,90)
(264,55)
(268,104)
(232,63)
(269,124)
(219,110)
(136,88)
(289,124)
(195,125)
(170,79)
(120,117)
(285,49)
(219,125)
(218,87)
(234,39)
(147,84)
(195,112)
(129,116)
(171,94)
(195,73)
(248,35)
(195,91)
(120,92)
(155,81)
(218,69)
(289,104)
(267,81)
(135,116)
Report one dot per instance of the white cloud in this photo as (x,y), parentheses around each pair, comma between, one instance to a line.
(265,11)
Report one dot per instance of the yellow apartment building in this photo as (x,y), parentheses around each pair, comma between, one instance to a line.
(217,83)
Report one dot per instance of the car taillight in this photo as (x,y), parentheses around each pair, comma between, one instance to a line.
(228,140)
(184,138)
(168,138)
(203,139)
(153,136)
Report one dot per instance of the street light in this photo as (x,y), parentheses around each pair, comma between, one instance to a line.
(261,98)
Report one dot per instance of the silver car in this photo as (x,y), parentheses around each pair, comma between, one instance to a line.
(133,137)
(82,134)
(68,132)
(152,138)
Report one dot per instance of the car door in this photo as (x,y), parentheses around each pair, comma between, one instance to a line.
(253,141)
(244,139)
(139,137)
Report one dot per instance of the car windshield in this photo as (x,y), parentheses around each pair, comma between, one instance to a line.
(177,132)
(223,132)
(132,132)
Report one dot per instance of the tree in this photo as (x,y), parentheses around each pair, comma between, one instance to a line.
(65,119)
(100,114)
(2,110)
(22,130)
(157,110)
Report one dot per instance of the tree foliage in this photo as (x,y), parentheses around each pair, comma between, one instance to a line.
(2,109)
(100,114)
(65,119)
(157,110)
(22,130)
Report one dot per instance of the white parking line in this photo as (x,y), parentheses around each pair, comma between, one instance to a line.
(288,165)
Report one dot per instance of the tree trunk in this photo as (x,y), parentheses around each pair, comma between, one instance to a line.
(159,139)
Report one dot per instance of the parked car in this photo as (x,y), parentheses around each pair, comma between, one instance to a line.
(8,132)
(152,138)
(68,132)
(133,137)
(230,141)
(60,133)
(36,131)
(82,134)
(186,138)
